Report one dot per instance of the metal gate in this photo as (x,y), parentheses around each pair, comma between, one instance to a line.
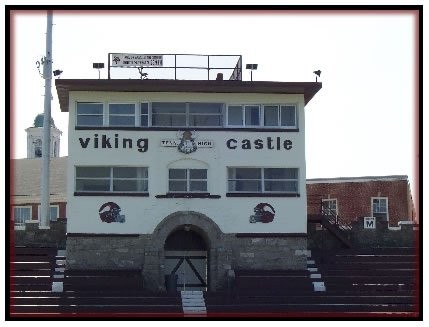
(190,268)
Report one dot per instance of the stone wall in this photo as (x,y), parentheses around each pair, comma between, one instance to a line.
(32,235)
(406,235)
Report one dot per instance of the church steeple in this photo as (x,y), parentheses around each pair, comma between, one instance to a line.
(35,137)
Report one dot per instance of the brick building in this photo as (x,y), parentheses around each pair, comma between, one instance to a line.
(385,197)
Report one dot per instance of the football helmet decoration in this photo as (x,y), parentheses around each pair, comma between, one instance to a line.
(110,213)
(264,213)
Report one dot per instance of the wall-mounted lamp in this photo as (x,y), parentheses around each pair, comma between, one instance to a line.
(252,67)
(98,65)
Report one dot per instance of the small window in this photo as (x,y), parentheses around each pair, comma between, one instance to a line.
(329,207)
(130,179)
(111,179)
(89,114)
(252,115)
(21,215)
(95,179)
(144,114)
(244,115)
(380,208)
(187,180)
(284,116)
(235,116)
(288,116)
(263,180)
(53,212)
(169,114)
(122,114)
(205,114)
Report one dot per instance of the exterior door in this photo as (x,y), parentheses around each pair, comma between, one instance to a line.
(190,268)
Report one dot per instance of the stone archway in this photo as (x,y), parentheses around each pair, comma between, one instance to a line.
(154,267)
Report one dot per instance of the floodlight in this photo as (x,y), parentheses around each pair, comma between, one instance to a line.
(57,72)
(251,67)
(317,73)
(98,65)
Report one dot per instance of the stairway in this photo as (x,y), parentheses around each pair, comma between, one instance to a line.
(193,304)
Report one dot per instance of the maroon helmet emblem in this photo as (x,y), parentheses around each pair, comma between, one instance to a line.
(110,212)
(264,213)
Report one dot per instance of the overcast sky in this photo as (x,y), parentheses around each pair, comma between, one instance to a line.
(361,123)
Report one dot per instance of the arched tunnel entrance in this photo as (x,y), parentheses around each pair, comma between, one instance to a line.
(186,257)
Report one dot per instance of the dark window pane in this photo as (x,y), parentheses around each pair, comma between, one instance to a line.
(89,108)
(144,120)
(198,174)
(177,173)
(89,120)
(94,172)
(121,120)
(168,107)
(144,108)
(205,120)
(280,173)
(271,116)
(122,108)
(177,186)
(252,115)
(288,116)
(280,186)
(247,173)
(200,186)
(168,120)
(206,108)
(235,115)
(92,185)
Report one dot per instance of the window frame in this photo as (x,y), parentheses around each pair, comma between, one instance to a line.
(22,207)
(329,207)
(111,179)
(136,115)
(103,122)
(188,180)
(279,116)
(50,213)
(387,206)
(262,181)
(187,114)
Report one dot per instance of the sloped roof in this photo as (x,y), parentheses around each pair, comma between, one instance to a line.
(26,177)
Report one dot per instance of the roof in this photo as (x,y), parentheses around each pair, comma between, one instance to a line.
(389,178)
(65,86)
(27,177)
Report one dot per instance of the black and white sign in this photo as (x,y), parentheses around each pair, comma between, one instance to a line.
(369,222)
(136,60)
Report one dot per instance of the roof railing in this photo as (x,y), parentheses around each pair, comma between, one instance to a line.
(175,66)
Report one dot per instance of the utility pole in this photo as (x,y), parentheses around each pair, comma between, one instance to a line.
(46,155)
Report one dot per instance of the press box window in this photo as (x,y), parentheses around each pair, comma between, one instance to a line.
(187,180)
(284,116)
(89,114)
(243,115)
(111,179)
(122,114)
(205,114)
(168,114)
(263,180)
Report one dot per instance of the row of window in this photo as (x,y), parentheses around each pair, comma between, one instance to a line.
(379,207)
(185,114)
(135,179)
(21,214)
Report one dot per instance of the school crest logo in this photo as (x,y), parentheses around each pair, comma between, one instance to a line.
(110,213)
(264,213)
(187,142)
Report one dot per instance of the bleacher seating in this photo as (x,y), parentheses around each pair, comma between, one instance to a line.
(357,283)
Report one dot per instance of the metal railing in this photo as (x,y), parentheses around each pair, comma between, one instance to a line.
(166,64)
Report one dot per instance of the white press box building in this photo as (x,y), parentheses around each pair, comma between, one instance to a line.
(185,177)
